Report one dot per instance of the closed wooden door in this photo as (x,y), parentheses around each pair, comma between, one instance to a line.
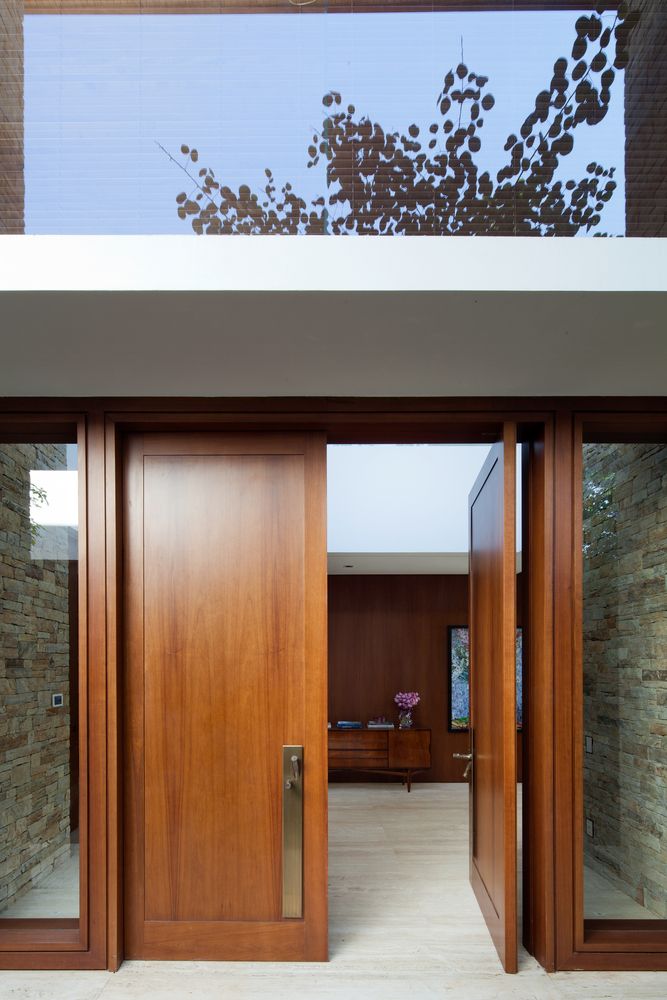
(493,866)
(225,664)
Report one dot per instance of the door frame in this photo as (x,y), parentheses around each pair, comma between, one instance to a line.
(547,427)
(361,422)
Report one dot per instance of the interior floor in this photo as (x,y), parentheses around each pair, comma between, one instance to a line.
(404,924)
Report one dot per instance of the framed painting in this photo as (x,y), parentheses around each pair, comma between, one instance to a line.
(458,667)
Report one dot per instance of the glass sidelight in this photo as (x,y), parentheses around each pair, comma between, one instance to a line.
(625,680)
(39,682)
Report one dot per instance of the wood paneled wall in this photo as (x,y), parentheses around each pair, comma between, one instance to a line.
(389,634)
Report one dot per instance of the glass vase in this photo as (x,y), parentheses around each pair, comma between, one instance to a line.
(405,719)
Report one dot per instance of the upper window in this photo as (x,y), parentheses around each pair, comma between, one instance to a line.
(489,122)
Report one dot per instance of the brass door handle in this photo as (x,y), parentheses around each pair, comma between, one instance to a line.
(296,771)
(464,756)
(292,761)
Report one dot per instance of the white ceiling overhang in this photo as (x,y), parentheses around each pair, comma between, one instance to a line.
(321,316)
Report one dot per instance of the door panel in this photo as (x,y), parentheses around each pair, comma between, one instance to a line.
(225,551)
(493,869)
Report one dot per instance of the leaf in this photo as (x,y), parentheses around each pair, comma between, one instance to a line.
(488,101)
(579,48)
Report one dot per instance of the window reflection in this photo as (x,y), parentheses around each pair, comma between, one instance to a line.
(625,712)
(39,771)
(390,122)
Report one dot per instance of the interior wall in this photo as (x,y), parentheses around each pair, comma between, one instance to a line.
(389,634)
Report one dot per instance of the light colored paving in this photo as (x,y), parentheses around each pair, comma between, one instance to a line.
(404,926)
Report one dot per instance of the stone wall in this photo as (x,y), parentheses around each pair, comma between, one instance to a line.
(34,664)
(625,667)
(646,122)
(12,189)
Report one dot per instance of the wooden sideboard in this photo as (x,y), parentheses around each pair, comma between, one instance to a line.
(388,751)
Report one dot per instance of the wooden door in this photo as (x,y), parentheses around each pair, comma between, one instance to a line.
(493,846)
(225,664)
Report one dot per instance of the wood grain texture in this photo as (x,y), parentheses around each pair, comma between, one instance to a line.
(218,669)
(493,833)
(390,749)
(389,634)
(536,609)
(409,748)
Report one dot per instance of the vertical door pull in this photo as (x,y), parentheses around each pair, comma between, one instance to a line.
(292,774)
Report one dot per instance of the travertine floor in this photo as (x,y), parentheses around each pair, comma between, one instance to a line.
(404,926)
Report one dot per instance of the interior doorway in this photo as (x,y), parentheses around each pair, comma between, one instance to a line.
(399,616)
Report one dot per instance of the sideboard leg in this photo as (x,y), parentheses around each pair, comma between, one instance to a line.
(409,780)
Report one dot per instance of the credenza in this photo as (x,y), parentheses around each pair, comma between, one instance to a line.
(402,752)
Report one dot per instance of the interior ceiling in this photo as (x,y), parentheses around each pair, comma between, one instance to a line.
(391,563)
(308,343)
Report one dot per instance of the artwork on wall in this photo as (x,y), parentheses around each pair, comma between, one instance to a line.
(458,666)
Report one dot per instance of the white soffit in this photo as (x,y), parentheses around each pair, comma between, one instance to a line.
(326,263)
(332,316)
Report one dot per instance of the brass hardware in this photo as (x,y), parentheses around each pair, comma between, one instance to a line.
(465,756)
(292,831)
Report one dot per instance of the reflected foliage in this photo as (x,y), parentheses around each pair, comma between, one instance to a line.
(429,182)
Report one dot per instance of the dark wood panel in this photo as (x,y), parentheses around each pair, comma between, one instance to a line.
(536,595)
(410,748)
(493,832)
(389,634)
(357,739)
(358,759)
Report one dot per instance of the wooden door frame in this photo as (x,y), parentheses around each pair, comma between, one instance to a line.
(583,944)
(358,422)
(548,423)
(63,943)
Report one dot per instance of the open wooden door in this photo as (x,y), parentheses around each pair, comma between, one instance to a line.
(225,697)
(493,827)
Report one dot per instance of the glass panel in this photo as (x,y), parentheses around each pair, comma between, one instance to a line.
(394,121)
(39,769)
(625,680)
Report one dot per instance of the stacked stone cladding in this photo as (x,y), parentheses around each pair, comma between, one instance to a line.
(646,122)
(11,117)
(34,664)
(625,667)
